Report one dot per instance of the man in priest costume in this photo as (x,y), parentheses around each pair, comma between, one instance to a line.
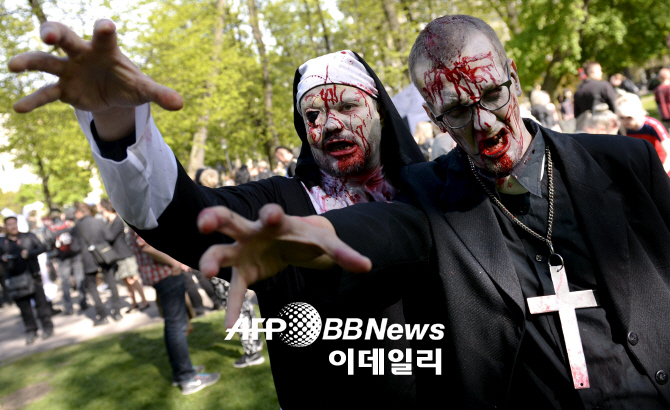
(353,146)
(544,255)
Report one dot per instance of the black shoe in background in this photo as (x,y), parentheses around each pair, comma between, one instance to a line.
(30,338)
(47,334)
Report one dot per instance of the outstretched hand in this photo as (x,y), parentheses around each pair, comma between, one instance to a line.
(265,247)
(95,76)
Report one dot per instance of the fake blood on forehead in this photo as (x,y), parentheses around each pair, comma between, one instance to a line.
(465,79)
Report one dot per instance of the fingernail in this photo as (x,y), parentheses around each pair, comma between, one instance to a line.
(47,35)
(204,219)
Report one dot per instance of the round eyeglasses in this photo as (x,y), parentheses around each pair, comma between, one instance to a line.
(460,116)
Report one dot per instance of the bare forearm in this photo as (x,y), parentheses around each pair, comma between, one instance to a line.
(159,256)
(115,123)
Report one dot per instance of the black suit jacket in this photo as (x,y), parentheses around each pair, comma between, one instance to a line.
(462,267)
(89,231)
(303,376)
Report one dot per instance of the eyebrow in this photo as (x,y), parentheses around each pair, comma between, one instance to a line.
(446,107)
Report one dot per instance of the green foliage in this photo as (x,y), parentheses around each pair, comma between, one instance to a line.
(9,200)
(551,39)
(27,194)
(173,42)
(48,140)
(177,45)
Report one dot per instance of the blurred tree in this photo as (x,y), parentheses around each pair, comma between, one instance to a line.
(550,39)
(271,138)
(47,140)
(27,194)
(9,200)
(197,158)
(176,47)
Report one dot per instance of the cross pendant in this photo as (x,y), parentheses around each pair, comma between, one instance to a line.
(565,302)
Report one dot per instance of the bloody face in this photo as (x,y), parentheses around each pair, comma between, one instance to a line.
(495,140)
(343,129)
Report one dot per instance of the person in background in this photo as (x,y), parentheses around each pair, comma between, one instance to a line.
(442,145)
(263,171)
(423,135)
(4,298)
(567,107)
(540,108)
(208,177)
(620,82)
(593,90)
(89,231)
(115,233)
(242,175)
(19,256)
(639,125)
(285,156)
(165,275)
(662,95)
(601,121)
(67,257)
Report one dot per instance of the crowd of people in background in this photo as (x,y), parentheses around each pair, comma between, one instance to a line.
(89,249)
(71,242)
(596,107)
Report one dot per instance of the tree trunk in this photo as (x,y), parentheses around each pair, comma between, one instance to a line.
(197,158)
(272,140)
(45,183)
(324,28)
(394,24)
(308,15)
(38,11)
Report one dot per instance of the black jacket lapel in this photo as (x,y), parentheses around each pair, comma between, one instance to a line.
(595,194)
(469,212)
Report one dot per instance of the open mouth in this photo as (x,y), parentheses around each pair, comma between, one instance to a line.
(496,145)
(340,148)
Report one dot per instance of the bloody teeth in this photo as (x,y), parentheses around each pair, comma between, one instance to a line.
(338,146)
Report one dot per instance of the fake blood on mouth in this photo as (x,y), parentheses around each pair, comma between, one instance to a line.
(493,147)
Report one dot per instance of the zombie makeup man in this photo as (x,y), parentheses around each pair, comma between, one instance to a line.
(471,91)
(337,100)
(343,128)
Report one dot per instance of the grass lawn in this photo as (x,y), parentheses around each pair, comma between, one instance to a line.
(130,371)
(649,104)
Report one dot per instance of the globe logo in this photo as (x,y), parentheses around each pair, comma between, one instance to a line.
(303,324)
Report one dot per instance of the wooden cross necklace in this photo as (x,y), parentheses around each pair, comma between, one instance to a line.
(564,302)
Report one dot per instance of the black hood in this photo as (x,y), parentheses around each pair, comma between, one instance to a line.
(398,147)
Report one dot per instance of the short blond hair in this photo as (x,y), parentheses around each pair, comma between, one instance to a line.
(630,105)
(209,178)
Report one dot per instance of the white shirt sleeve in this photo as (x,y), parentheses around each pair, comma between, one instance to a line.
(142,185)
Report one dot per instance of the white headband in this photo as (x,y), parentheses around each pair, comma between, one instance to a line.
(341,67)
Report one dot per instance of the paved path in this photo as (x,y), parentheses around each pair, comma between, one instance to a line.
(76,328)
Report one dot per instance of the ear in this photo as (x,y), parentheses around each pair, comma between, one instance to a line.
(381,112)
(432,118)
(515,76)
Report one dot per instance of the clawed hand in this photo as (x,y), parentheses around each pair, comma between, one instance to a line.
(265,247)
(95,76)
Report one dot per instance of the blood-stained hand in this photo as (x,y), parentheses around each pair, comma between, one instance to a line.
(265,247)
(95,76)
